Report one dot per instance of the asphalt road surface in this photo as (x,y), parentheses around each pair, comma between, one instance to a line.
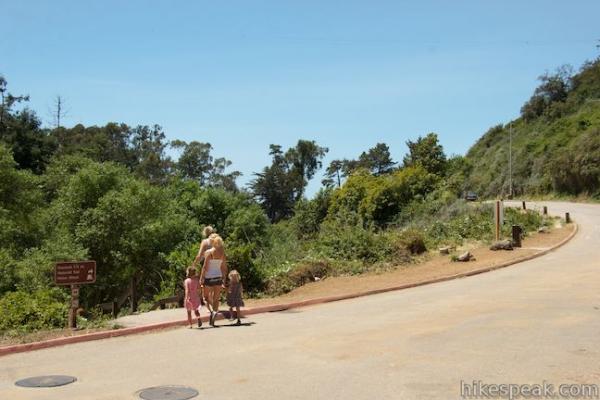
(534,322)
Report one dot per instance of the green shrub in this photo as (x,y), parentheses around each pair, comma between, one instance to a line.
(240,256)
(284,250)
(413,241)
(309,214)
(213,206)
(379,199)
(31,311)
(173,276)
(35,269)
(344,237)
(8,272)
(301,274)
(529,220)
(95,318)
(247,225)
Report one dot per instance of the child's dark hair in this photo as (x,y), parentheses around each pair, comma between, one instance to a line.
(191,271)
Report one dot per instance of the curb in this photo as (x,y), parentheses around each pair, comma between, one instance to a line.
(20,348)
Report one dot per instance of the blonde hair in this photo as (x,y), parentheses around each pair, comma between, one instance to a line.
(191,271)
(207,231)
(216,241)
(234,276)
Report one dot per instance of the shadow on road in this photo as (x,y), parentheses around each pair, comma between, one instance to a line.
(230,325)
(234,325)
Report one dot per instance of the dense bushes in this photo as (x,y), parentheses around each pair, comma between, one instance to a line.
(344,237)
(137,232)
(379,199)
(30,311)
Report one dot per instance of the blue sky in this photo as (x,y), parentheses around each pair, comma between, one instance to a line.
(244,74)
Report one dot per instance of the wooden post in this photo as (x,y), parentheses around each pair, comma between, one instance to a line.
(567,218)
(74,306)
(545,210)
(497,219)
(517,231)
(72,318)
(115,308)
(524,207)
(134,299)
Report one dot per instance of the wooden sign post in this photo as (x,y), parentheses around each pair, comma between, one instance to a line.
(498,218)
(74,273)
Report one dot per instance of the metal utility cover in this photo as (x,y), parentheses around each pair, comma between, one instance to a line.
(168,393)
(46,381)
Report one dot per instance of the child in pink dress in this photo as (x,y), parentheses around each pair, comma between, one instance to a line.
(192,299)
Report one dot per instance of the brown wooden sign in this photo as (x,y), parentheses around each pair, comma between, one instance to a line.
(75,272)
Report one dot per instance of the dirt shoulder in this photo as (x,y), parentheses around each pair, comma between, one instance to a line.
(434,266)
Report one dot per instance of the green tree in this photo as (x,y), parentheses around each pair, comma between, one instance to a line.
(8,272)
(21,131)
(309,214)
(149,148)
(458,170)
(220,178)
(246,230)
(130,240)
(59,171)
(387,195)
(333,174)
(304,160)
(20,201)
(273,187)
(279,186)
(32,148)
(8,100)
(554,88)
(212,206)
(427,152)
(111,142)
(377,159)
(379,199)
(195,162)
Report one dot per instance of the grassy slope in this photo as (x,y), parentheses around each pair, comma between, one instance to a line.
(539,146)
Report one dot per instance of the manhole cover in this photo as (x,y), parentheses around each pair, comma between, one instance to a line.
(168,393)
(46,381)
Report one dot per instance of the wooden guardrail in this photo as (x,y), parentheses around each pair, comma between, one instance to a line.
(162,303)
(111,307)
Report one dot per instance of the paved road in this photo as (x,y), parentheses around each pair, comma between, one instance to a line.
(536,321)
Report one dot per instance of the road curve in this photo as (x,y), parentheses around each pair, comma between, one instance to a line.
(533,322)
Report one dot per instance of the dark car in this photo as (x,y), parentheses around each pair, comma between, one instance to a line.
(470,196)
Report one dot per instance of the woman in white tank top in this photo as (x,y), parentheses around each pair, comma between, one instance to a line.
(205,245)
(214,272)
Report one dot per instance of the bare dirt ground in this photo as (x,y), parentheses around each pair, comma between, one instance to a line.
(432,266)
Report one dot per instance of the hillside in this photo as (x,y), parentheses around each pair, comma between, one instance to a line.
(555,142)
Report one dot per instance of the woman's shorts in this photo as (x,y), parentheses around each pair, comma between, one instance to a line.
(213,281)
